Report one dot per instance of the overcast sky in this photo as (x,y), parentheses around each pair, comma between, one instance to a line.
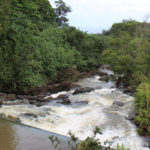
(95,15)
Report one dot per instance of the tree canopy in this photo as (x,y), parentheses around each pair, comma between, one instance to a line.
(61,13)
(35,51)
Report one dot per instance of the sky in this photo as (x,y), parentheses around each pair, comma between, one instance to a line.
(94,16)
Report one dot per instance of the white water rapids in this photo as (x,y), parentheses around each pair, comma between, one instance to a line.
(86,111)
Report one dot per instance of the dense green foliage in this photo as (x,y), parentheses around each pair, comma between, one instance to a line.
(34,51)
(142,106)
(128,54)
(90,47)
(20,67)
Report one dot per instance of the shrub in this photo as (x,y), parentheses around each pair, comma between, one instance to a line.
(142,105)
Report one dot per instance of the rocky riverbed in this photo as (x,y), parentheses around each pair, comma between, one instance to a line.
(79,107)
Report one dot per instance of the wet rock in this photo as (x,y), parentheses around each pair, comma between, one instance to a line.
(112,77)
(31,97)
(82,102)
(83,90)
(65,86)
(104,78)
(118,103)
(102,74)
(41,100)
(21,97)
(62,96)
(12,118)
(40,96)
(16,102)
(49,99)
(47,90)
(3,97)
(63,99)
(131,115)
(1,102)
(32,102)
(147,141)
(86,74)
(30,115)
(41,90)
(39,104)
(129,90)
(11,97)
(24,101)
(44,99)
(98,87)
(119,82)
(65,102)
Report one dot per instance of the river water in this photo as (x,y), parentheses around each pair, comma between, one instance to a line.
(19,137)
(86,111)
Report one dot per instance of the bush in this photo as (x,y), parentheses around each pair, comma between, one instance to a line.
(90,143)
(142,105)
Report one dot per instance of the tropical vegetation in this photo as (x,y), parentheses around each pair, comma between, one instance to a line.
(128,54)
(37,45)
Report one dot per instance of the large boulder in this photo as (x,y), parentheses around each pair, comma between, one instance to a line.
(83,90)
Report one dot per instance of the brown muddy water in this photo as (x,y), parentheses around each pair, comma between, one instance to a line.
(19,137)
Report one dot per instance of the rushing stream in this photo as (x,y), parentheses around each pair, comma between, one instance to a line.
(86,111)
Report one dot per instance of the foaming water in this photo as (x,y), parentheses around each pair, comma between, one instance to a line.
(86,111)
